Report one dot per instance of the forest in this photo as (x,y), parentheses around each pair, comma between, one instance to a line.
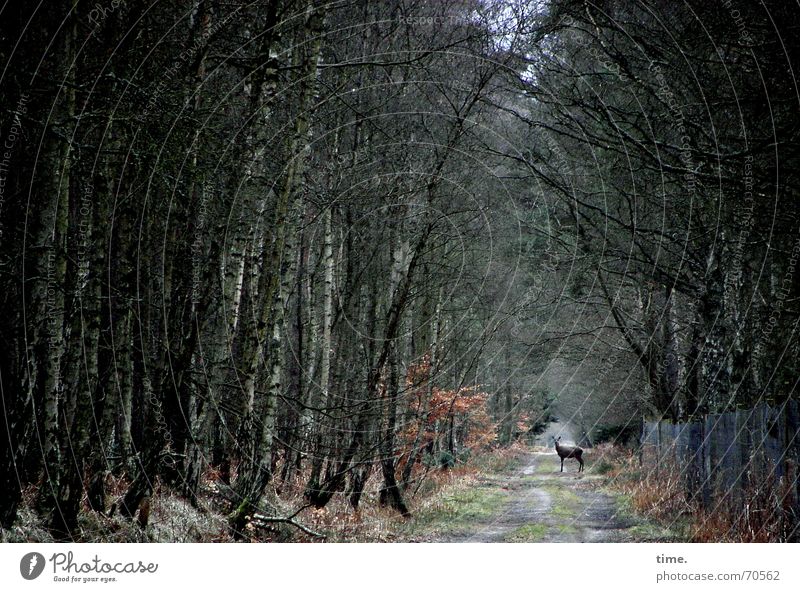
(283,265)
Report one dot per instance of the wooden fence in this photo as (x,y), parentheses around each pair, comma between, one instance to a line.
(724,456)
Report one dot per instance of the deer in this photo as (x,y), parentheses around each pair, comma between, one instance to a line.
(569,452)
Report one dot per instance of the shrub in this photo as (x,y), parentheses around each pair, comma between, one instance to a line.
(624,435)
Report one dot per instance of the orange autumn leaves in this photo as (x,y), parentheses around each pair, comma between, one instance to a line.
(441,418)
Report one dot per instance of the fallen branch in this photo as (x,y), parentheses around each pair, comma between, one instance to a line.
(264,520)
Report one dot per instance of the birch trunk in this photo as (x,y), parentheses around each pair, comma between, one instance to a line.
(255,467)
(325,347)
(51,271)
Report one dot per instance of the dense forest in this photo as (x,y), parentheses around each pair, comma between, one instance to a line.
(325,249)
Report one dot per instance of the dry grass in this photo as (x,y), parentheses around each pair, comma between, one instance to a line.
(766,515)
(659,495)
(173,519)
(763,512)
(428,494)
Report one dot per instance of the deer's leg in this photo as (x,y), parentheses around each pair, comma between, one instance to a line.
(562,464)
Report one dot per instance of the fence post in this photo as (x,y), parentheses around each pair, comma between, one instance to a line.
(695,474)
(658,448)
(745,450)
(791,446)
(642,442)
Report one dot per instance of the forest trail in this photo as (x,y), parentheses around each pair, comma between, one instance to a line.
(542,504)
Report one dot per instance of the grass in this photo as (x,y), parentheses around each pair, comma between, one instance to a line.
(566,502)
(653,501)
(475,499)
(603,467)
(456,510)
(530,533)
(543,468)
(648,530)
(500,461)
(536,533)
(770,514)
(660,498)
(472,498)
(443,502)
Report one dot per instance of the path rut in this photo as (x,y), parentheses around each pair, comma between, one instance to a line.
(546,505)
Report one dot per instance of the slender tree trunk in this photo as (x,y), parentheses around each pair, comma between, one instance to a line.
(255,471)
(325,346)
(292,440)
(423,419)
(52,273)
(198,408)
(391,492)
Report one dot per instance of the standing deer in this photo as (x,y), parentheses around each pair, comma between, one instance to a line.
(569,452)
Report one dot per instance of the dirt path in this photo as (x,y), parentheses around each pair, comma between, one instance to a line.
(541,504)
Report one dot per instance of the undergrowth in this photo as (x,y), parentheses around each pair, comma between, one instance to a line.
(437,497)
(763,511)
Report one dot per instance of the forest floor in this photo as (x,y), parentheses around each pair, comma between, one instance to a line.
(535,502)
(512,494)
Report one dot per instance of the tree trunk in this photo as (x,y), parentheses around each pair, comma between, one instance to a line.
(52,274)
(254,469)
(325,346)
(423,419)
(390,492)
